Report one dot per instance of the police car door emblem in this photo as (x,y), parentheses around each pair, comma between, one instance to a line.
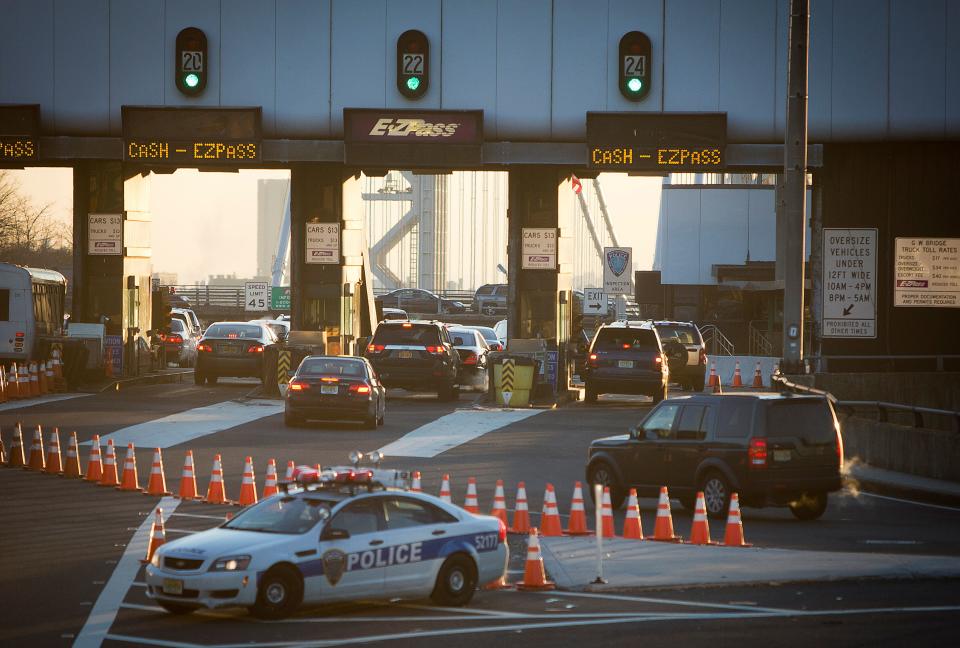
(334,564)
(617,261)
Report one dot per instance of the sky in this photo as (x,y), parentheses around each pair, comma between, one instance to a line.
(205,223)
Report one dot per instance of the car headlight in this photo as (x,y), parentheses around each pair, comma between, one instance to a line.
(155,561)
(230,563)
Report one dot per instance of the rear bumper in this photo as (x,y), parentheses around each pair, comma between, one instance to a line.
(338,409)
(768,489)
(238,367)
(605,382)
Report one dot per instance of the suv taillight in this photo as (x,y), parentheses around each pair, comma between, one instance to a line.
(375,348)
(592,359)
(437,350)
(658,363)
(757,454)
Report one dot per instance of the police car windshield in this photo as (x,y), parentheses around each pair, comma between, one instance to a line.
(282,515)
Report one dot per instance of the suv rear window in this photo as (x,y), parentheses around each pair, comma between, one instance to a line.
(620,339)
(735,418)
(486,290)
(803,419)
(686,334)
(420,335)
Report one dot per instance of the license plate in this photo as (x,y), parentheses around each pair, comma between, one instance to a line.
(328,389)
(781,455)
(172,586)
(230,349)
(625,364)
(406,355)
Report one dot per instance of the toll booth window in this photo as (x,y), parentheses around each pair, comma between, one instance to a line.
(4,305)
(538,314)
(318,367)
(619,339)
(417,335)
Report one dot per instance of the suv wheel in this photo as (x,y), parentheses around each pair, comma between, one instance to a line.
(659,395)
(589,394)
(809,506)
(602,473)
(716,493)
(697,384)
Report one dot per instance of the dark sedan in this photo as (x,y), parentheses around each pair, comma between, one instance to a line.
(414,300)
(232,349)
(335,388)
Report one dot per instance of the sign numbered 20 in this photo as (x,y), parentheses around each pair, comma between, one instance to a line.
(256,296)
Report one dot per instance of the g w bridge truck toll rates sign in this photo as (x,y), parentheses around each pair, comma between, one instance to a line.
(849,283)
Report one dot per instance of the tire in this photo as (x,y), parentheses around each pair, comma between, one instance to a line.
(177,608)
(697,384)
(456,582)
(589,394)
(198,377)
(602,473)
(810,506)
(279,594)
(369,422)
(659,395)
(716,493)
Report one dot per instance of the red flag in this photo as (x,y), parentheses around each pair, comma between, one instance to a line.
(575,184)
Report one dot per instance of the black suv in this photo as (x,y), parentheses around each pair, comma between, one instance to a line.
(418,356)
(626,358)
(771,449)
(686,353)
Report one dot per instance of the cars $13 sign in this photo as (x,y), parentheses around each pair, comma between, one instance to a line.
(322,243)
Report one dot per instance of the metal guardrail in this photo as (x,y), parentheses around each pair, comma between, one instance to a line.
(780,383)
(938,360)
(233,296)
(716,342)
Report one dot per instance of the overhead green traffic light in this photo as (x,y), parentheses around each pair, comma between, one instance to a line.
(413,83)
(192,80)
(634,65)
(191,63)
(634,85)
(413,64)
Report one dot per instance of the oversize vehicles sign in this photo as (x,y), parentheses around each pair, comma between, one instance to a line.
(322,243)
(927,272)
(539,248)
(849,283)
(256,296)
(618,270)
(105,234)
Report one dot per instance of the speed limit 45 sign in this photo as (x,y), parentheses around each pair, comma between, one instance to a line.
(256,296)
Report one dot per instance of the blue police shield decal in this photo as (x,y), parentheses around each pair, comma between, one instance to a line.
(617,261)
(334,562)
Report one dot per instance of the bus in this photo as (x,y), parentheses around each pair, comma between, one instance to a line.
(31,310)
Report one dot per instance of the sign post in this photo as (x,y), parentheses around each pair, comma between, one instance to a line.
(256,296)
(927,272)
(539,248)
(849,283)
(594,301)
(322,243)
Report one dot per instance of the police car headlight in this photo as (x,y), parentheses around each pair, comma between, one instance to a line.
(155,561)
(355,457)
(230,563)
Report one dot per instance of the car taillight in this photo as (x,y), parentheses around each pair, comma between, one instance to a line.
(434,349)
(757,453)
(298,386)
(501,532)
(657,363)
(205,347)
(256,348)
(592,359)
(174,339)
(839,448)
(359,388)
(375,348)
(470,359)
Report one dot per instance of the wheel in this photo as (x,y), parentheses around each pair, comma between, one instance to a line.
(697,384)
(589,394)
(198,377)
(370,422)
(279,594)
(810,506)
(456,581)
(602,473)
(176,608)
(716,494)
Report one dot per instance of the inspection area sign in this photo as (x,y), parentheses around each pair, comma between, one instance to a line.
(618,270)
(849,283)
(927,272)
(539,248)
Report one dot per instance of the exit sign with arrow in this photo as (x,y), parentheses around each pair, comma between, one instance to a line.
(594,301)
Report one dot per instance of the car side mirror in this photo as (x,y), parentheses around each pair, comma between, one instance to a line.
(331,533)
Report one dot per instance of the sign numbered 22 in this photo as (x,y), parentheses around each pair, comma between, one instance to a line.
(256,296)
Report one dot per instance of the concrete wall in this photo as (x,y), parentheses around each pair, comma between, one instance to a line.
(940,390)
(927,453)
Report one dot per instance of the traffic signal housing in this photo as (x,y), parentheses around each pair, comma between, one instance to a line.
(413,64)
(192,63)
(634,65)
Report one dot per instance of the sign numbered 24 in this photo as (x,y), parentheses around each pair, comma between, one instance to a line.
(256,296)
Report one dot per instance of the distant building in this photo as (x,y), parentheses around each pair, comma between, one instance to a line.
(271,201)
(166,278)
(233,281)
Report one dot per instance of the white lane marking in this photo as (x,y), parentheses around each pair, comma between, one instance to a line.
(184,531)
(39,400)
(559,614)
(104,611)
(475,611)
(905,501)
(145,608)
(452,430)
(191,424)
(659,601)
(891,542)
(146,641)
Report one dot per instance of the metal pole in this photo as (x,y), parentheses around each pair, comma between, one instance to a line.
(795,190)
(598,521)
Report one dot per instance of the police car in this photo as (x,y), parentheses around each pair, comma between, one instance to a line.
(335,535)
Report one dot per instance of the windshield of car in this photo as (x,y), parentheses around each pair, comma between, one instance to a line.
(488,333)
(331,367)
(805,419)
(623,339)
(413,334)
(281,515)
(242,331)
(277,328)
(685,334)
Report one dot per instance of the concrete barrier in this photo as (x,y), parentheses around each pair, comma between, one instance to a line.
(748,364)
(916,451)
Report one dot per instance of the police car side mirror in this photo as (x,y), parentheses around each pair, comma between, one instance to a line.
(334,534)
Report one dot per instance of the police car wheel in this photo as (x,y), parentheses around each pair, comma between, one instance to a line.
(176,608)
(279,594)
(456,581)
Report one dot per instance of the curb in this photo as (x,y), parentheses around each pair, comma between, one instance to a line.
(926,496)
(152,379)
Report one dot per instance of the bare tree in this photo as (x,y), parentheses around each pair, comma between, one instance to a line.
(28,234)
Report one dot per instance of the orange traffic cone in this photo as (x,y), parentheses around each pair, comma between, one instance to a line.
(3,385)
(15,460)
(157,535)
(470,504)
(34,380)
(663,527)
(216,494)
(757,378)
(23,377)
(157,484)
(72,464)
(53,463)
(36,460)
(606,515)
(270,481)
(289,474)
(714,379)
(109,476)
(188,479)
(445,489)
(415,483)
(130,482)
(94,463)
(499,510)
(717,386)
(521,515)
(577,524)
(42,378)
(733,537)
(534,578)
(550,519)
(700,533)
(737,379)
(632,527)
(248,485)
